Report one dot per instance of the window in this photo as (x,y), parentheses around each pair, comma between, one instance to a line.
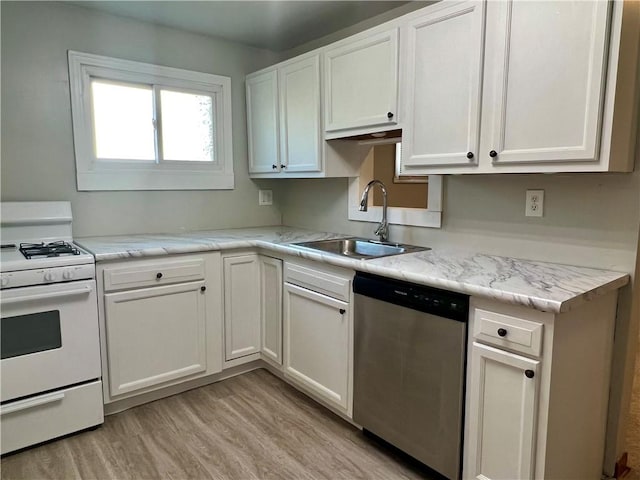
(138,126)
(413,200)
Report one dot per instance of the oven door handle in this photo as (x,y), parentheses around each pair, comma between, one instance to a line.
(47,296)
(31,402)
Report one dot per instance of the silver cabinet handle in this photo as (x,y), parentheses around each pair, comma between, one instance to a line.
(31,403)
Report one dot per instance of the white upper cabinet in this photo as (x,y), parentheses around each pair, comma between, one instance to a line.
(262,122)
(300,132)
(544,80)
(443,65)
(284,124)
(361,84)
(538,85)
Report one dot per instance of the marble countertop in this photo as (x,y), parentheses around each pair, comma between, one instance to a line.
(547,287)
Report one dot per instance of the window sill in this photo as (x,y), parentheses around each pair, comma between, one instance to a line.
(169,180)
(415,217)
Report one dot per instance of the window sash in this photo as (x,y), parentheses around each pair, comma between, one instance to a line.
(156,115)
(115,174)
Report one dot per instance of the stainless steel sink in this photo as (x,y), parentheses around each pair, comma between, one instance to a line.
(360,247)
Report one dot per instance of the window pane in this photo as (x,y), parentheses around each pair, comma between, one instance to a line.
(187,126)
(123,121)
(31,333)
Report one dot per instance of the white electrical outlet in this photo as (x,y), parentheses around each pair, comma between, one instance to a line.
(265,197)
(534,206)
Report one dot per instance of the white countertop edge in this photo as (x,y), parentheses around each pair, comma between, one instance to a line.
(185,246)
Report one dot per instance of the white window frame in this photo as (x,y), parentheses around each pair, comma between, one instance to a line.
(417,217)
(98,174)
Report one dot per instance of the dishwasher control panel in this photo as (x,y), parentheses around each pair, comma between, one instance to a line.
(443,303)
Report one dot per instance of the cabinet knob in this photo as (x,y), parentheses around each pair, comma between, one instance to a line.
(502,332)
(342,311)
(274,166)
(389,115)
(203,288)
(469,155)
(159,275)
(283,166)
(529,373)
(493,154)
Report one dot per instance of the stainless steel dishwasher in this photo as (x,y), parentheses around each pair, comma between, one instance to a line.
(409,369)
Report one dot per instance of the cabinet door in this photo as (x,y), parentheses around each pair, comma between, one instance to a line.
(502,412)
(300,115)
(241,306)
(361,83)
(155,335)
(317,343)
(271,308)
(443,74)
(544,80)
(262,122)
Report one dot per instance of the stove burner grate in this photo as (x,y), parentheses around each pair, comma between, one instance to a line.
(53,249)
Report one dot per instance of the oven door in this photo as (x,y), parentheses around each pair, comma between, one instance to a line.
(49,337)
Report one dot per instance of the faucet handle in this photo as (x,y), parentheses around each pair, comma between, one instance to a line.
(382,231)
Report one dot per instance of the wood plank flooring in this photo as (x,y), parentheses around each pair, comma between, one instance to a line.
(253,426)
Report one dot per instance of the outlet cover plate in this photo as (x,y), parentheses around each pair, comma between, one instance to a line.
(534,205)
(265,197)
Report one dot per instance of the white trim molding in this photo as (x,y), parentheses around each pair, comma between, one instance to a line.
(98,174)
(417,217)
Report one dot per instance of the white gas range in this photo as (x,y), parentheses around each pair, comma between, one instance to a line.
(50,353)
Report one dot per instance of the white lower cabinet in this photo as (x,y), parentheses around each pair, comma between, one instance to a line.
(155,335)
(318,337)
(241,306)
(271,308)
(537,391)
(160,322)
(502,412)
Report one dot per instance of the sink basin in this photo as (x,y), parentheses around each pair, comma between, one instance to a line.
(360,247)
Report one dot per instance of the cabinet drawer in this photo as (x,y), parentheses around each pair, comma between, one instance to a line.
(150,274)
(318,281)
(508,332)
(51,415)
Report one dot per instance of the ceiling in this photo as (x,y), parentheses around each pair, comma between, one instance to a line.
(275,25)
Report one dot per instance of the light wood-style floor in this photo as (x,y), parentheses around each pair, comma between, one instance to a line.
(253,426)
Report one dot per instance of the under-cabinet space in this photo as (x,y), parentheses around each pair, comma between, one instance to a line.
(160,322)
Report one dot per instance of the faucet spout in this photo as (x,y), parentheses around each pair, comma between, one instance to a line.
(383,227)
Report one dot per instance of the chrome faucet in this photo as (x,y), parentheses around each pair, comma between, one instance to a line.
(383,228)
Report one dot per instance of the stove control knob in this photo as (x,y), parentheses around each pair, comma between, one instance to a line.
(4,281)
(49,276)
(68,274)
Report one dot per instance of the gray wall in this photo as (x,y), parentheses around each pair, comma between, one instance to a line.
(589,220)
(37,144)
